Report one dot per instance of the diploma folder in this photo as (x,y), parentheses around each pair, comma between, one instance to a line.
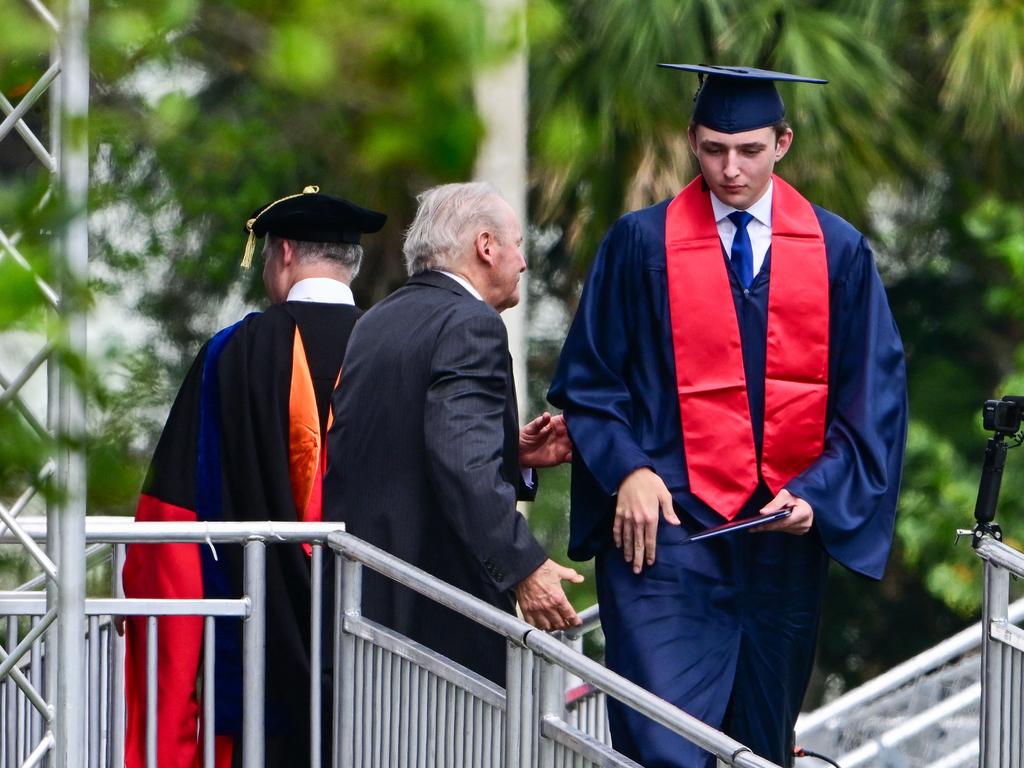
(738,525)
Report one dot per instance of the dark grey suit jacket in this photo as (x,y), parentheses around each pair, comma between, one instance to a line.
(423,461)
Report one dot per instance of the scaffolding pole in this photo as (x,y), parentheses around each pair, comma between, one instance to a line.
(69,726)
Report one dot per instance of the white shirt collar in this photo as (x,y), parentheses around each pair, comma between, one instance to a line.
(463,282)
(321,290)
(761,210)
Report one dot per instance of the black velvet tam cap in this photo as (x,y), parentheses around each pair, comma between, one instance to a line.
(311,216)
(735,99)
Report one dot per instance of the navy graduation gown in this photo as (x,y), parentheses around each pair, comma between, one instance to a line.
(615,383)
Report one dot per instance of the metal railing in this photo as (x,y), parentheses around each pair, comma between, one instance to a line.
(923,712)
(1002,660)
(28,720)
(470,719)
(394,702)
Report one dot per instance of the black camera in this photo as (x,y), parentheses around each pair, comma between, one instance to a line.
(1003,416)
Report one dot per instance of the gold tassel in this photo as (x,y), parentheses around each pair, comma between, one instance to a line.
(250,244)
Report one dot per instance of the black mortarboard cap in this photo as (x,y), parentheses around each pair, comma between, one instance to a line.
(312,217)
(734,99)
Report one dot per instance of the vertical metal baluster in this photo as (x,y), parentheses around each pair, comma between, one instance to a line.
(406,713)
(360,712)
(552,697)
(94,701)
(348,602)
(117,713)
(316,578)
(254,649)
(422,720)
(395,696)
(36,678)
(433,720)
(11,708)
(209,691)
(996,595)
(151,690)
(381,708)
(459,731)
(514,702)
(106,635)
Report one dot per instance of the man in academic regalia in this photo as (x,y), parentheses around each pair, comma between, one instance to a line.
(426,453)
(733,354)
(245,440)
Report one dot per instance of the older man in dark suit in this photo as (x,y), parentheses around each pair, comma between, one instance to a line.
(427,460)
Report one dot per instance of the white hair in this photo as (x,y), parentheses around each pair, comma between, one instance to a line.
(448,218)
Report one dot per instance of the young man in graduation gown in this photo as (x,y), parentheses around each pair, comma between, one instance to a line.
(733,354)
(426,451)
(245,440)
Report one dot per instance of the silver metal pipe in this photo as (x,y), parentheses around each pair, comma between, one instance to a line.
(30,138)
(963,642)
(94,555)
(71,433)
(22,604)
(997,591)
(37,90)
(40,752)
(36,679)
(254,648)
(10,718)
(316,580)
(348,602)
(17,677)
(552,705)
(27,642)
(117,653)
(1002,555)
(14,529)
(152,650)
(209,691)
(12,388)
(118,530)
(45,15)
(93,646)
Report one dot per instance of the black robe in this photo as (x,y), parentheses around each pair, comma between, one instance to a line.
(226,454)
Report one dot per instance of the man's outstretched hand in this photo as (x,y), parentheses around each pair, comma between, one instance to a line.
(542,600)
(544,442)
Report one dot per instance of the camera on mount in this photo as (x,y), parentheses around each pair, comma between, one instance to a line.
(1003,416)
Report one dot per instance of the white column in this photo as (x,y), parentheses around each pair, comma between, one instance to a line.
(501,102)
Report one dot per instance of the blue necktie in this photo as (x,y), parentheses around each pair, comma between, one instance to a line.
(742,254)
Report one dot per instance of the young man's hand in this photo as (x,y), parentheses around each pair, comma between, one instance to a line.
(798,522)
(635,530)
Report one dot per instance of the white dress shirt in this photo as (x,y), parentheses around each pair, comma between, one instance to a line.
(321,290)
(759,228)
(464,283)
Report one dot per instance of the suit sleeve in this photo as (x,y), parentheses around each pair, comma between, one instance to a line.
(464,427)
(854,484)
(590,382)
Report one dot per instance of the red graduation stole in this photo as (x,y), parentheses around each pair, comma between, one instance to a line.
(721,460)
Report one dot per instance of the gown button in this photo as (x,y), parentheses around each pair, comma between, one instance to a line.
(746,293)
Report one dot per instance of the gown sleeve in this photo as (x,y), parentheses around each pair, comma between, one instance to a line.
(590,382)
(854,484)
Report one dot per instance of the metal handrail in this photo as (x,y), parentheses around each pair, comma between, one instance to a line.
(550,648)
(123,530)
(963,642)
(1003,555)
